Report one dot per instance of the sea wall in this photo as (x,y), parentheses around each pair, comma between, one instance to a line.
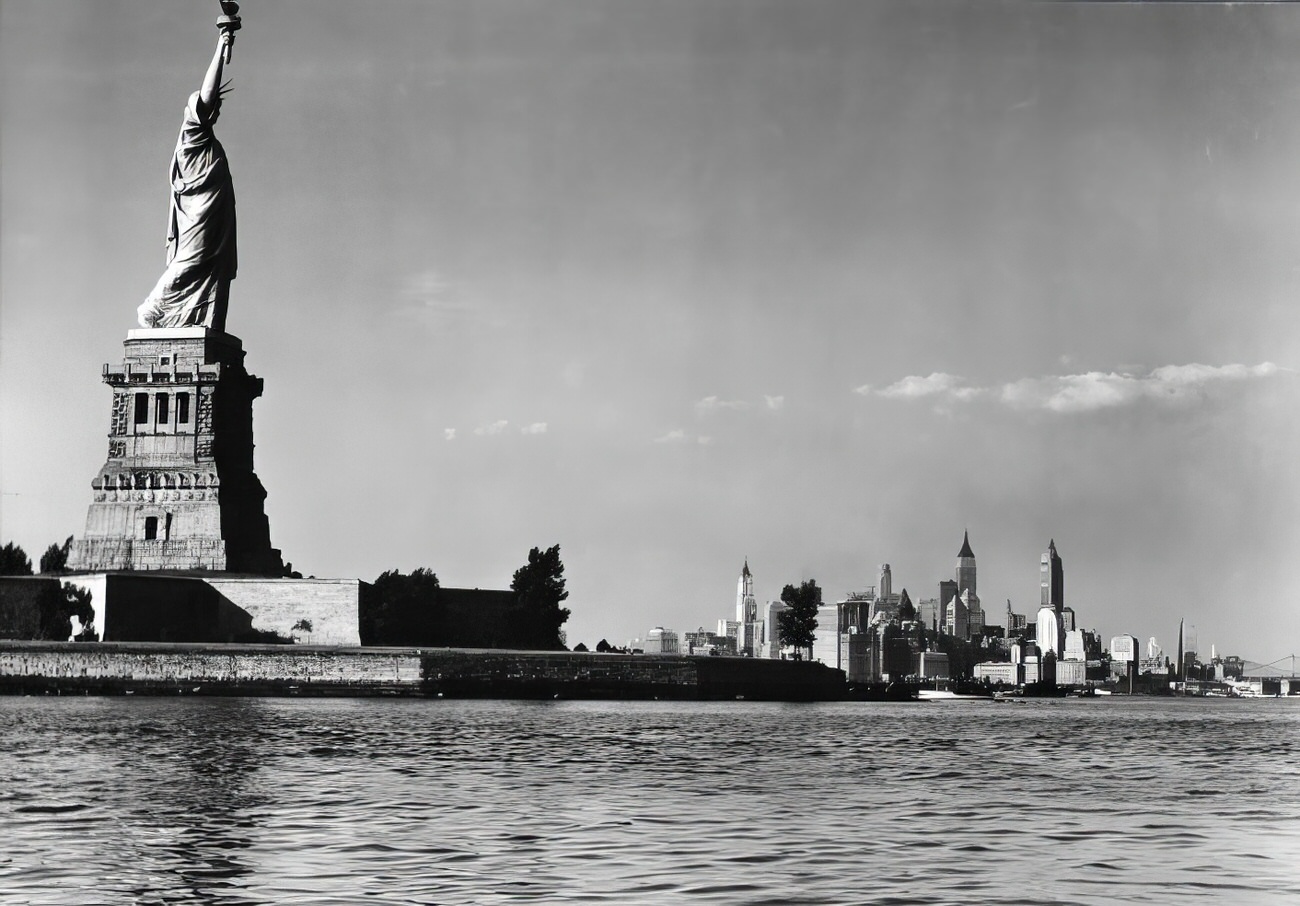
(158,668)
(215,669)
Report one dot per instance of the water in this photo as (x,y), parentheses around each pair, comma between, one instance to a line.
(233,801)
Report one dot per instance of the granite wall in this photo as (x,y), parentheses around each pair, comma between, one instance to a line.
(331,606)
(35,667)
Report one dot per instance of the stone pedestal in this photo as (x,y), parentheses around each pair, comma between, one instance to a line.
(178,490)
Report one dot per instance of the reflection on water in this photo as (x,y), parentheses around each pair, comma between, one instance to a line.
(243,801)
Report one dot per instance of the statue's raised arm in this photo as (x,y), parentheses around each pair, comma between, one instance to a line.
(194,290)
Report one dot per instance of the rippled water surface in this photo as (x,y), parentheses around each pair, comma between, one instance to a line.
(198,800)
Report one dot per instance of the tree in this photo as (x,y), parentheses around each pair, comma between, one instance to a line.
(603,645)
(539,589)
(402,610)
(14,561)
(906,609)
(797,625)
(303,626)
(55,558)
(57,607)
(580,647)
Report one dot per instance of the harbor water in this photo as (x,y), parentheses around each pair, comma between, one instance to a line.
(344,801)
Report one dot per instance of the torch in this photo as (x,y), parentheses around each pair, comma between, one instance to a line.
(229,23)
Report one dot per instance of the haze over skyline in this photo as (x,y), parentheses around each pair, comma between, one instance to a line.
(676,284)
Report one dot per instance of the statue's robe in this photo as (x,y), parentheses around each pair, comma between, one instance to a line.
(201,257)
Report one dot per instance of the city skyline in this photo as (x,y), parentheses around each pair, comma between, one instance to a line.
(819,284)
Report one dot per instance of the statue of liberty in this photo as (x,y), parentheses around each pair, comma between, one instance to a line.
(194,290)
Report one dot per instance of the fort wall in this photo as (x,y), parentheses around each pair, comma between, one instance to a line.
(158,668)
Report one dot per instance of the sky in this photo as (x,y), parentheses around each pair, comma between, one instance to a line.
(684,283)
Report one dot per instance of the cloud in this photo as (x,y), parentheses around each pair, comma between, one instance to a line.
(916,387)
(713,404)
(429,299)
(1094,390)
(678,436)
(1084,392)
(774,402)
(534,428)
(449,433)
(494,428)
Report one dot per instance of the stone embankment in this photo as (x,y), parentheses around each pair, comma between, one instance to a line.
(213,669)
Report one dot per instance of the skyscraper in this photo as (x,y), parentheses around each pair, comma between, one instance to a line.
(965,566)
(966,588)
(947,591)
(746,605)
(749,629)
(1050,624)
(1052,579)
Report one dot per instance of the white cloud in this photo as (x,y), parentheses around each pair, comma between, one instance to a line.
(1072,392)
(678,436)
(1093,390)
(430,300)
(449,433)
(534,428)
(915,386)
(774,402)
(1084,392)
(713,404)
(494,428)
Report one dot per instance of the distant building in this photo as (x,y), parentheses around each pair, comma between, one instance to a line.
(998,673)
(947,591)
(770,639)
(927,612)
(966,566)
(932,665)
(856,656)
(826,637)
(855,611)
(1052,579)
(974,615)
(1070,672)
(730,630)
(662,641)
(703,642)
(748,633)
(1031,669)
(966,587)
(956,618)
(1016,622)
(1075,647)
(1124,648)
(1029,660)
(1049,634)
(746,606)
(1050,628)
(1067,619)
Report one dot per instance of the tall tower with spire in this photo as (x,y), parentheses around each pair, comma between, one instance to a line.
(966,587)
(1050,628)
(1052,579)
(746,604)
(965,566)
